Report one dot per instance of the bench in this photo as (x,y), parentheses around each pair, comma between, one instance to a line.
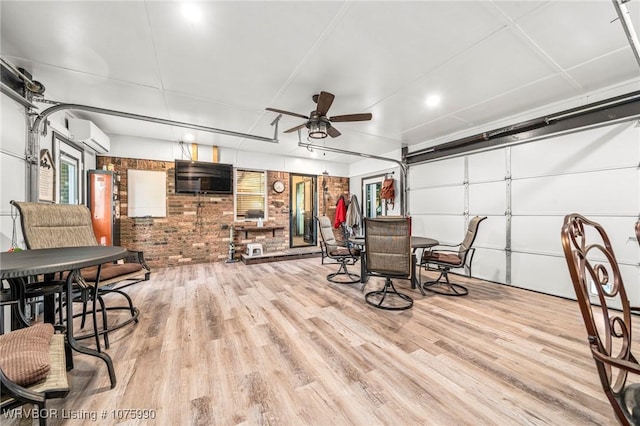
(63,225)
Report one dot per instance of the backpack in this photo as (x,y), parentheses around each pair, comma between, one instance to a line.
(388,192)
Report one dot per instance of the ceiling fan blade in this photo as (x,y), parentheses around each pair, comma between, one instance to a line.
(351,117)
(288,113)
(333,132)
(293,129)
(324,102)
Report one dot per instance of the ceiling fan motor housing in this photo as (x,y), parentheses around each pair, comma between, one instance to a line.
(314,117)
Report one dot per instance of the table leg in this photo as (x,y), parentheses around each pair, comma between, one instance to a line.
(416,273)
(363,269)
(72,341)
(49,313)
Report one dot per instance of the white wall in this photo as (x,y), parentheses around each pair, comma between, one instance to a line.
(153,149)
(592,172)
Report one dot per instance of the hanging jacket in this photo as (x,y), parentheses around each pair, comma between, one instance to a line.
(354,217)
(341,213)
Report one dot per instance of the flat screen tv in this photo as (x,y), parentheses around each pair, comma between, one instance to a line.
(198,177)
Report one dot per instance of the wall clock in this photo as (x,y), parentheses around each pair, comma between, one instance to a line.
(278,186)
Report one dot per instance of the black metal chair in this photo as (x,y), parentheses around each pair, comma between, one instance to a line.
(445,260)
(342,252)
(593,268)
(58,225)
(388,254)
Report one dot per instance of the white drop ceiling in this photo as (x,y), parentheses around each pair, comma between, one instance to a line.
(490,61)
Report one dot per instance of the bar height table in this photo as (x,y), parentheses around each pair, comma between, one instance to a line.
(16,266)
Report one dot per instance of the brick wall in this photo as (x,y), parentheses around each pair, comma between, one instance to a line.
(196,229)
(336,187)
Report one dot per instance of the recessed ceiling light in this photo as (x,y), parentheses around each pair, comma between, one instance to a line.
(189,137)
(433,101)
(191,12)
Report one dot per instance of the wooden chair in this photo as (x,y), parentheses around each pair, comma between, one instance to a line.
(342,252)
(454,256)
(593,268)
(388,254)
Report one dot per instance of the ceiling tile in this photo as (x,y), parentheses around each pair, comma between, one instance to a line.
(107,39)
(617,66)
(241,53)
(523,99)
(572,32)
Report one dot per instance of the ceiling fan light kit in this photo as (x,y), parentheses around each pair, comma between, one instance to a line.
(317,122)
(318,130)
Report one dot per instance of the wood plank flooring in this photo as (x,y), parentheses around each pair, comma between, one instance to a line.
(276,344)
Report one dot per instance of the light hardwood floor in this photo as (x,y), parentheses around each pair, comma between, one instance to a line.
(275,343)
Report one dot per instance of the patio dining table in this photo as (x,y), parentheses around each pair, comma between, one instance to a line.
(416,243)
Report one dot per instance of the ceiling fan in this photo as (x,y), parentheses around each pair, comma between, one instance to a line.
(318,123)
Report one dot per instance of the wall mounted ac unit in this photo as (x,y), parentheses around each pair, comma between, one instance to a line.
(90,135)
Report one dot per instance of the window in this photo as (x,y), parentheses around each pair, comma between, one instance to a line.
(70,167)
(251,197)
(68,179)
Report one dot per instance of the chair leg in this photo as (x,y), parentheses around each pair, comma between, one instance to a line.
(342,270)
(445,288)
(389,289)
(130,306)
(97,298)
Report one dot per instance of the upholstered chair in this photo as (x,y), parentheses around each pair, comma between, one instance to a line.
(342,252)
(443,258)
(388,255)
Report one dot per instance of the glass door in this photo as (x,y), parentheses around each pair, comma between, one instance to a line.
(302,230)
(373,205)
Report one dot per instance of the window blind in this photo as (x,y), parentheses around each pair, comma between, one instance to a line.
(250,194)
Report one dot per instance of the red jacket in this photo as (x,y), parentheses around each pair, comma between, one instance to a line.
(341,213)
